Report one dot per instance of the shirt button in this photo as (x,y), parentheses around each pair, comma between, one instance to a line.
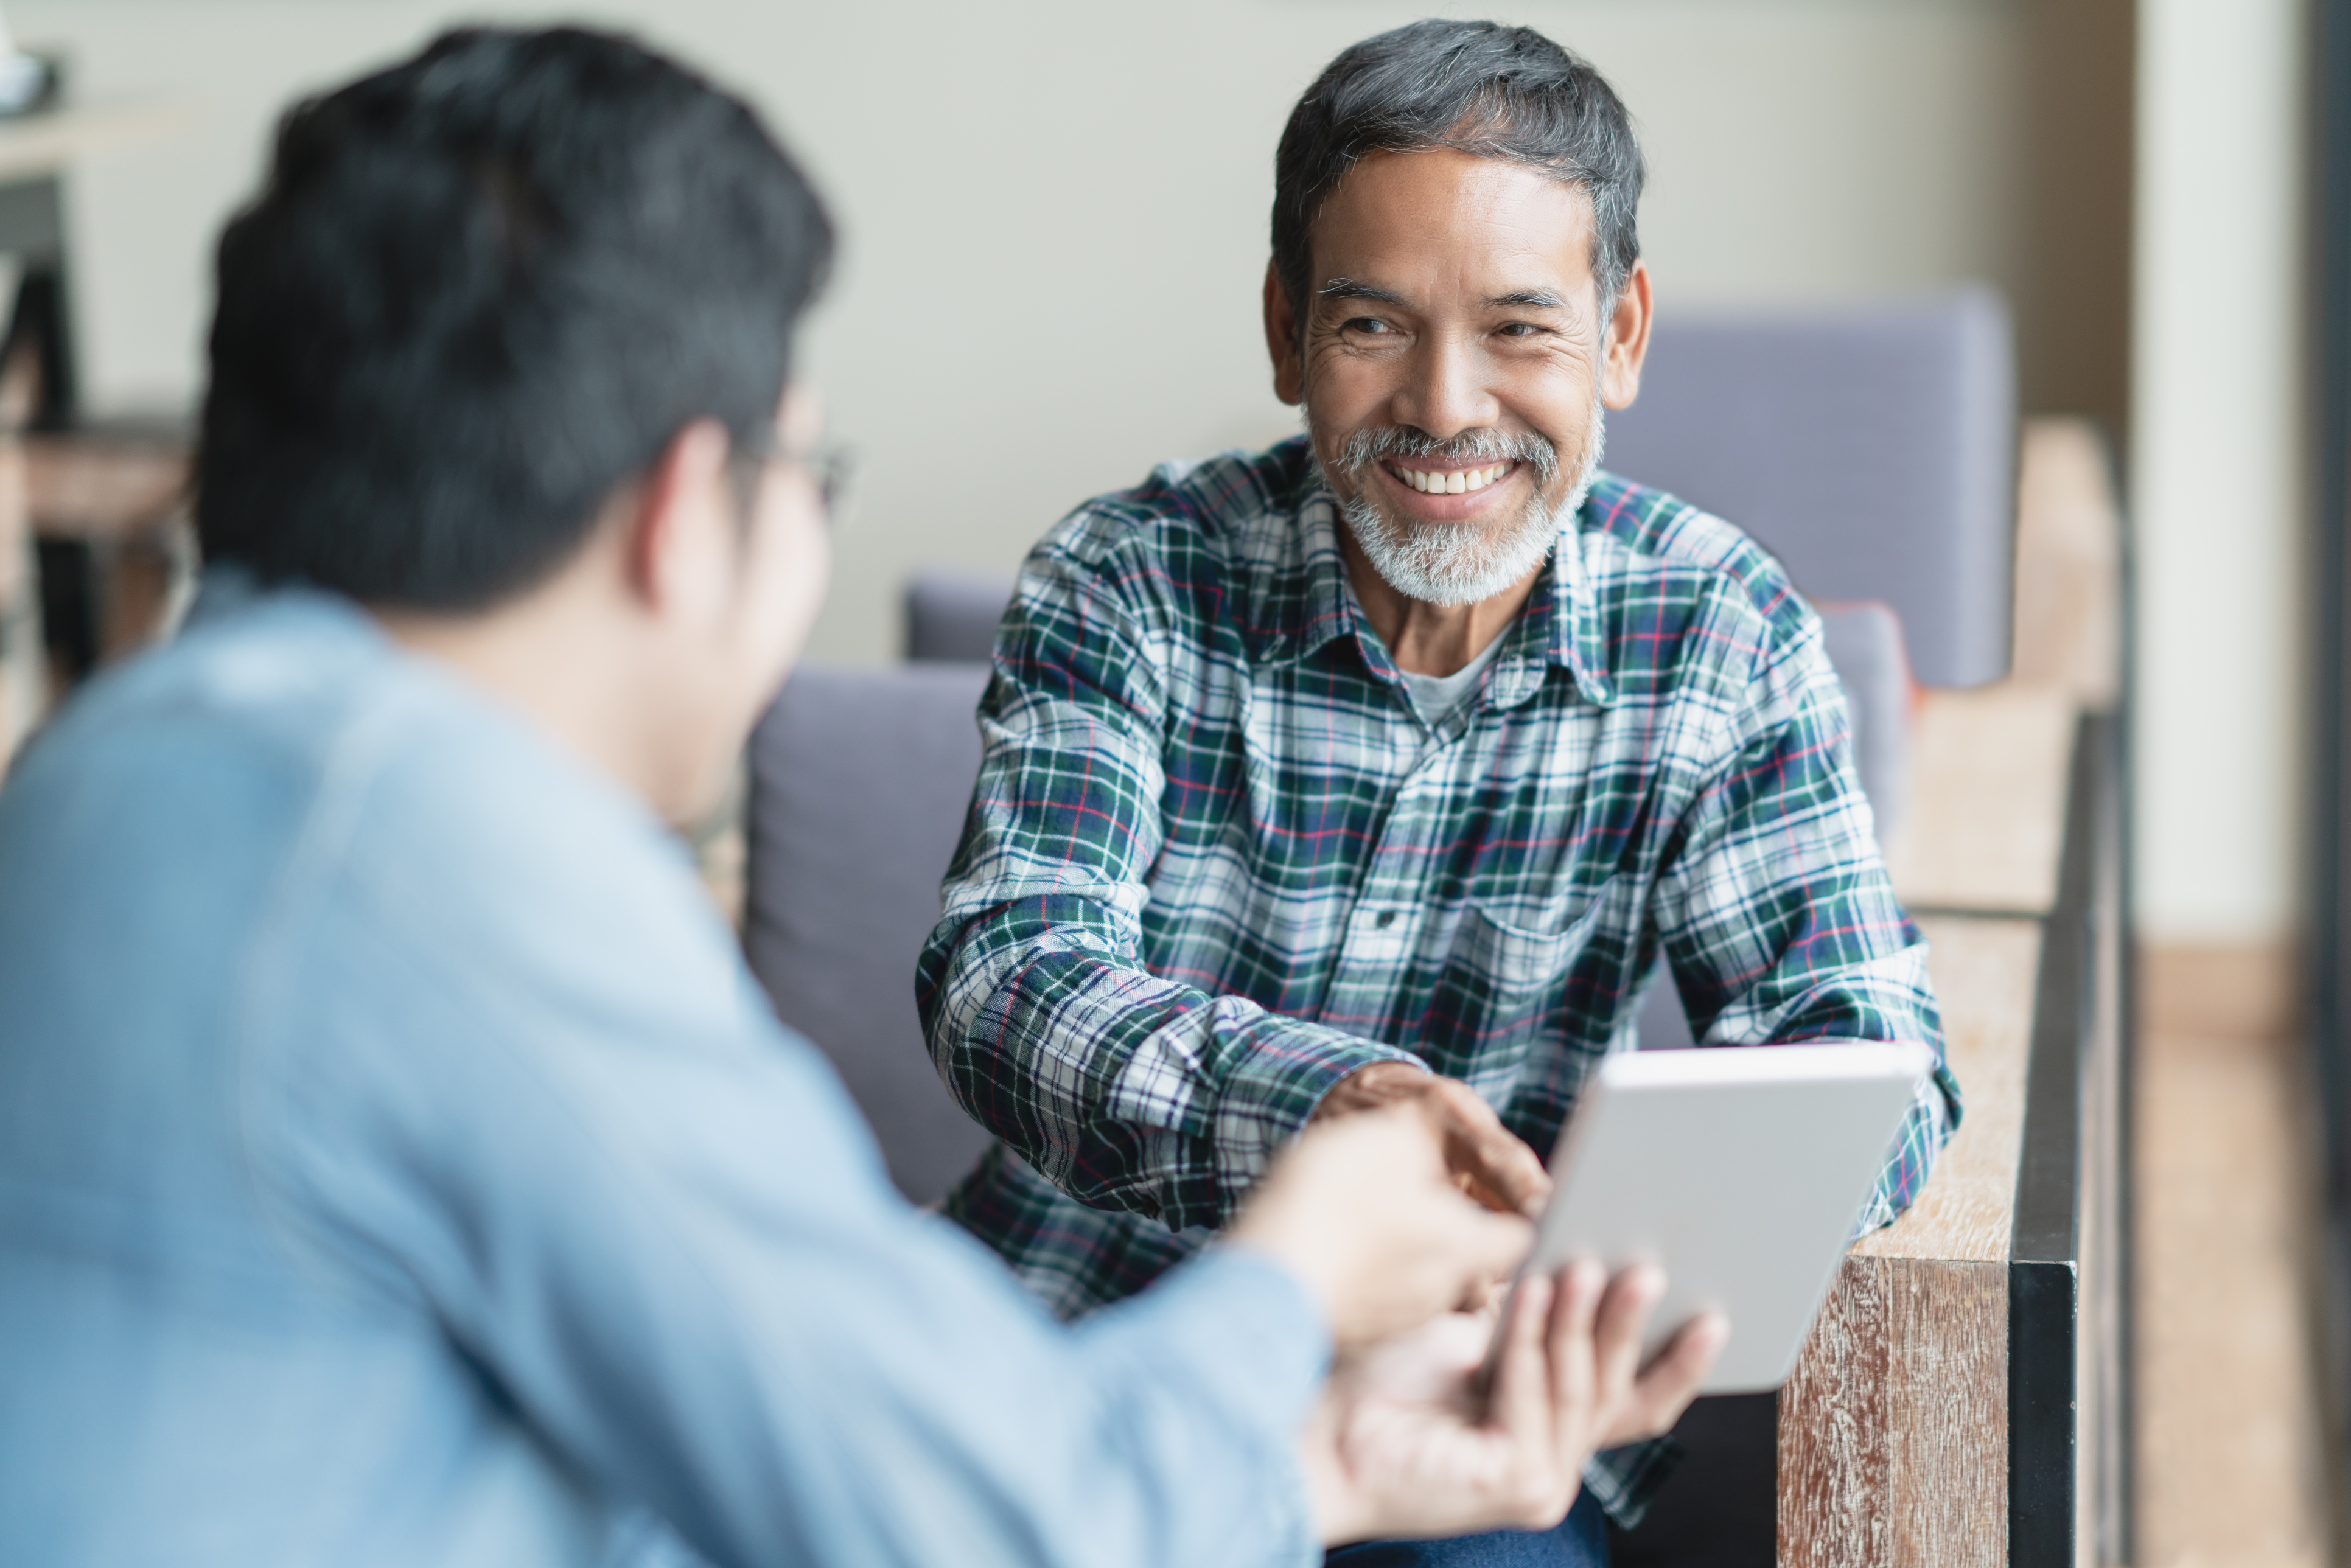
(1386,919)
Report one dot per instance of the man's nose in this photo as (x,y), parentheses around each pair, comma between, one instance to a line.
(1445,390)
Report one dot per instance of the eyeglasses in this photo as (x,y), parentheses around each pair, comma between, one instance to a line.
(829,465)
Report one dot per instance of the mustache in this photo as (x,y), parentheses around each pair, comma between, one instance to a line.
(1365,448)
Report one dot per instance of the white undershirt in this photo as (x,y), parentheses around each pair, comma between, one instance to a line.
(1437,696)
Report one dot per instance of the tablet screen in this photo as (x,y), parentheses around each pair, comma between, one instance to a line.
(1740,1171)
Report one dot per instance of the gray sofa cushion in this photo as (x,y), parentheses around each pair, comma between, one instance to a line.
(952,614)
(860,781)
(1871,448)
(1866,644)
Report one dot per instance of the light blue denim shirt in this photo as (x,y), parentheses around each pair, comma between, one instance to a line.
(398,1164)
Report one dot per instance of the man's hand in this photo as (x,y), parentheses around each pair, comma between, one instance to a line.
(1402,1445)
(1487,1161)
(1364,1212)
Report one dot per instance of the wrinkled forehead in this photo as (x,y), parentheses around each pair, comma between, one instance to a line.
(1443,225)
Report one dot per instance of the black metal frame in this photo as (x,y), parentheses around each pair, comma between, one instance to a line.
(32,229)
(2045,1259)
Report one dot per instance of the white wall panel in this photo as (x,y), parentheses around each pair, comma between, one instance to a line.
(2216,474)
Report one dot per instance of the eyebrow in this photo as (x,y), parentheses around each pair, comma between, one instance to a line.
(1348,288)
(1526,300)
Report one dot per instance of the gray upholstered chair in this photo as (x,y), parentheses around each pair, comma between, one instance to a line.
(951,612)
(860,779)
(1870,447)
(1864,645)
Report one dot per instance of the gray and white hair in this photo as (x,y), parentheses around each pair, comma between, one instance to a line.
(1475,87)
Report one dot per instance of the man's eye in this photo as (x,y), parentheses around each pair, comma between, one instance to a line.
(1520,330)
(1371,325)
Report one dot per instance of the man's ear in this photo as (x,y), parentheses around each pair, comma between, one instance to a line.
(1628,340)
(675,501)
(1282,341)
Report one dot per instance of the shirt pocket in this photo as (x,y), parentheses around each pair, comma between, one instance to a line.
(1504,989)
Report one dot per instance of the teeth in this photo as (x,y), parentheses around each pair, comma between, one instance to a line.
(1428,481)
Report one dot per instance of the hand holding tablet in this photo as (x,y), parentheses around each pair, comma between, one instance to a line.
(1402,1443)
(1737,1170)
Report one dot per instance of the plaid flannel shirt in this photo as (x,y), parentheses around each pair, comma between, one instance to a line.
(1216,859)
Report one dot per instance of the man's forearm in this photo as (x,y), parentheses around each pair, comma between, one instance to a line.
(1124,1089)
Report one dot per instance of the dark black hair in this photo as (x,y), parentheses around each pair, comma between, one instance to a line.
(1480,88)
(478,292)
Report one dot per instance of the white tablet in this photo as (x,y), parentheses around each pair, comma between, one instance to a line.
(1738,1170)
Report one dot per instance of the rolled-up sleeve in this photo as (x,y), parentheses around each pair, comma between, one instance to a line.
(1776,914)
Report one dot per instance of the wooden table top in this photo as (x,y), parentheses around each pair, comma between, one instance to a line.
(1976,854)
(48,143)
(1985,971)
(1985,832)
(1985,829)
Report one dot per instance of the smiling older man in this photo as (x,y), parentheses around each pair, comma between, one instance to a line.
(1381,766)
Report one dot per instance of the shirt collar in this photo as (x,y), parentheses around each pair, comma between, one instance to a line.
(1560,625)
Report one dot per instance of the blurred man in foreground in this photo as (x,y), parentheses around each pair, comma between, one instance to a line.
(396,1163)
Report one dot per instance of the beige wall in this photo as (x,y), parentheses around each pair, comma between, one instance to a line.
(1056,229)
(2217,470)
(1056,212)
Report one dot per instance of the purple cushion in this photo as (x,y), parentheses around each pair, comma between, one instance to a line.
(1870,447)
(860,781)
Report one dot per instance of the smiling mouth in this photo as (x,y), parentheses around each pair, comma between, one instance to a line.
(1450,481)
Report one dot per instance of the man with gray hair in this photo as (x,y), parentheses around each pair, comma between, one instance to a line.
(1381,767)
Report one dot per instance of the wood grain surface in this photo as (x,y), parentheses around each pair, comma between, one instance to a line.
(1894,1430)
(1835,1491)
(1986,820)
(2068,609)
(1984,972)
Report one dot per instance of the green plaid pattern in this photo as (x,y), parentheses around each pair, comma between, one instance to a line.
(1216,861)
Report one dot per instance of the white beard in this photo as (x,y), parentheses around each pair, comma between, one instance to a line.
(1448,563)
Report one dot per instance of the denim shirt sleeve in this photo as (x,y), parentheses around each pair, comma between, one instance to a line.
(520,1081)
